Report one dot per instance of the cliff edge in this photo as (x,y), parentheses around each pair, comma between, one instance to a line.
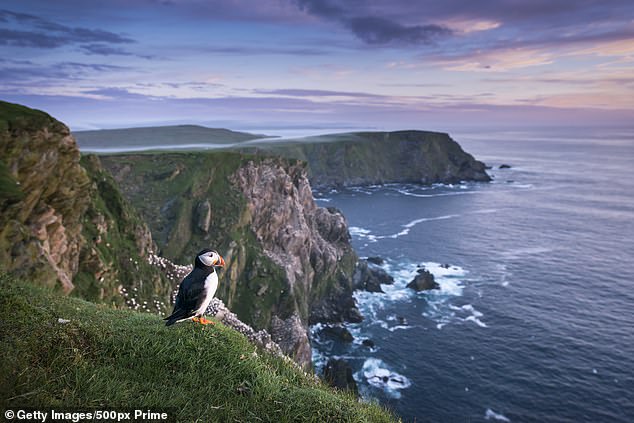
(63,222)
(368,158)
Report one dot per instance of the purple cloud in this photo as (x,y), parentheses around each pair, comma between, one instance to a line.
(41,33)
(373,29)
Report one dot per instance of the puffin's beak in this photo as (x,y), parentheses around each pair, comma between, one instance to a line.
(220,262)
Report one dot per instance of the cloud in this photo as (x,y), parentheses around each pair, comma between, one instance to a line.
(377,30)
(373,29)
(25,30)
(27,76)
(316,93)
(498,60)
(107,50)
(117,94)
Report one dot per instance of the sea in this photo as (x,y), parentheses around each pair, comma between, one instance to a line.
(534,318)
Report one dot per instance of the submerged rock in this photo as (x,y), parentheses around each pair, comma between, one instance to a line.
(504,166)
(338,332)
(368,343)
(375,260)
(370,278)
(338,374)
(424,281)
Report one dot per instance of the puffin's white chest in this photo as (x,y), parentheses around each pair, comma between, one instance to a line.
(211,284)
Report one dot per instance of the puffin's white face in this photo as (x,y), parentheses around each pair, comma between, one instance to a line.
(211,258)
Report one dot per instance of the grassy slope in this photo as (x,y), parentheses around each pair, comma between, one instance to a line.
(126,359)
(115,250)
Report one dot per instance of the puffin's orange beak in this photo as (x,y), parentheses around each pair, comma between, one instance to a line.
(220,262)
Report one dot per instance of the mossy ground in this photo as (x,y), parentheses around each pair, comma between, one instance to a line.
(125,359)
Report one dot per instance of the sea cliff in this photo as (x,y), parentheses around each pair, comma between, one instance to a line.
(369,158)
(63,221)
(286,258)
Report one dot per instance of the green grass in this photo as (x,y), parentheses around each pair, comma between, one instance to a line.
(125,359)
(15,116)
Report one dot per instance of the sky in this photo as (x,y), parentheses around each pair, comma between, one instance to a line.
(354,64)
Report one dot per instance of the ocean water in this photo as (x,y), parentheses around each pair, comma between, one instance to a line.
(534,320)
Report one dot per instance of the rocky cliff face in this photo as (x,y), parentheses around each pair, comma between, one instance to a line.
(40,224)
(364,158)
(311,244)
(286,258)
(63,222)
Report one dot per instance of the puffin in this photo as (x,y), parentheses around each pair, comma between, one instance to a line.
(197,289)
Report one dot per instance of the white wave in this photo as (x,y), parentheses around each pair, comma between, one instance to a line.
(366,233)
(439,307)
(484,211)
(490,414)
(428,219)
(397,327)
(476,321)
(470,308)
(442,194)
(324,199)
(444,270)
(355,230)
(472,315)
(362,233)
(378,375)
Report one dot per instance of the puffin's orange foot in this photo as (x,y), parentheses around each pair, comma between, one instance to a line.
(196,319)
(204,321)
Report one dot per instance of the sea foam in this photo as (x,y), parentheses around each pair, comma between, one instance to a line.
(378,375)
(490,414)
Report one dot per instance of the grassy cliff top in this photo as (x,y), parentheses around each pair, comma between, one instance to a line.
(98,356)
(15,116)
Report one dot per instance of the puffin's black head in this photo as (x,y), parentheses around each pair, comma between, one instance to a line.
(209,258)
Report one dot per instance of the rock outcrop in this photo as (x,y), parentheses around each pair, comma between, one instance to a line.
(311,244)
(424,281)
(368,277)
(337,332)
(40,227)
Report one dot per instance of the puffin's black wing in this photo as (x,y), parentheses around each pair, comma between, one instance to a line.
(191,294)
